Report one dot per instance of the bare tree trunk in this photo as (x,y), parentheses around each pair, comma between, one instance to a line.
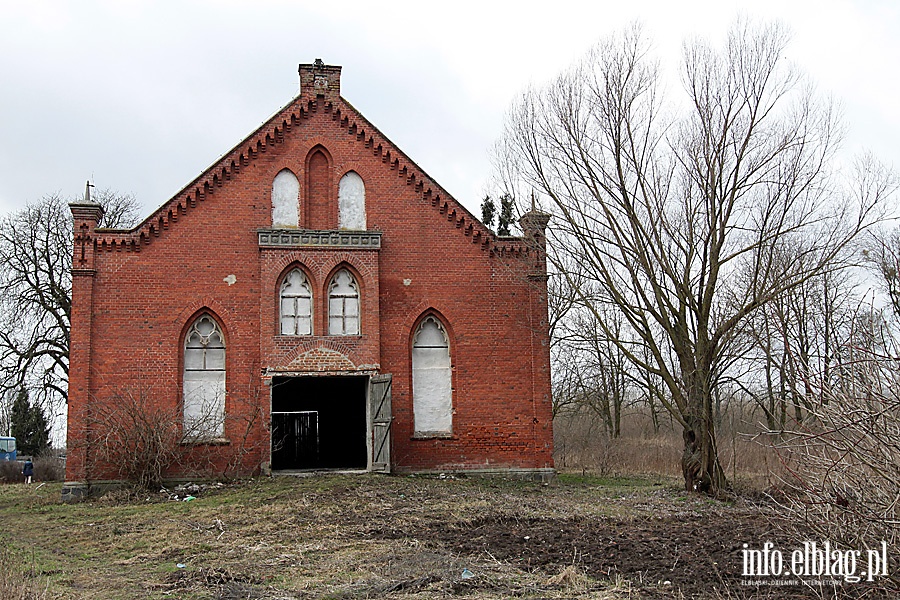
(700,461)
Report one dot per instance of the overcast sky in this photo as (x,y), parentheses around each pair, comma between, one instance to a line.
(142,96)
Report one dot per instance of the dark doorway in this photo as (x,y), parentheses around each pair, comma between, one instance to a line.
(319,423)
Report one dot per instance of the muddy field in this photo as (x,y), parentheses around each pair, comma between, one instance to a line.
(393,537)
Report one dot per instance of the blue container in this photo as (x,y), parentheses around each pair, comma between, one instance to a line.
(7,448)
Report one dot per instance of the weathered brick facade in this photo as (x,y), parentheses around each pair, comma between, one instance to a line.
(212,249)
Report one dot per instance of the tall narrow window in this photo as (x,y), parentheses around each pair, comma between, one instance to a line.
(204,380)
(352,202)
(343,304)
(285,199)
(431,375)
(296,304)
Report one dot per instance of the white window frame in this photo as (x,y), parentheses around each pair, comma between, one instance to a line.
(296,320)
(203,377)
(341,304)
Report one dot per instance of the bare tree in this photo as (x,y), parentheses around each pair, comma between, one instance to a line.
(794,340)
(678,211)
(602,378)
(882,254)
(36,292)
(136,439)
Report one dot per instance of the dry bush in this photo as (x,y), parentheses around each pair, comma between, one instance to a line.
(141,442)
(49,468)
(137,439)
(11,472)
(843,469)
(46,468)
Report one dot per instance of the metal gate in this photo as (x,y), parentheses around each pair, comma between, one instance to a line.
(295,440)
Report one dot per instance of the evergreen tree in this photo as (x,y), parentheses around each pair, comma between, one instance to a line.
(18,417)
(29,426)
(506,214)
(488,211)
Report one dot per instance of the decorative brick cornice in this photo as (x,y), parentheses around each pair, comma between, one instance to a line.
(272,133)
(291,238)
(355,124)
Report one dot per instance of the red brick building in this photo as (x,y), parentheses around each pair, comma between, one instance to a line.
(314,300)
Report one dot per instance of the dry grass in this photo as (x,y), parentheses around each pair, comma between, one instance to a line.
(319,537)
(363,536)
(582,446)
(17,581)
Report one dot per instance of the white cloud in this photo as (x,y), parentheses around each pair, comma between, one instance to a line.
(144,95)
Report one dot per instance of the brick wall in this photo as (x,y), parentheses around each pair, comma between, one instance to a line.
(200,252)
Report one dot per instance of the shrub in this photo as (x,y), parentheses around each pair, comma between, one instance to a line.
(49,468)
(139,440)
(844,467)
(11,472)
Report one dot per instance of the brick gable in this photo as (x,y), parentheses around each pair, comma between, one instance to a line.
(213,248)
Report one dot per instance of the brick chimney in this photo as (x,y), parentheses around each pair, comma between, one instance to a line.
(319,79)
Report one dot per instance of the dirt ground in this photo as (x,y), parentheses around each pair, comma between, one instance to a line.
(685,552)
(368,536)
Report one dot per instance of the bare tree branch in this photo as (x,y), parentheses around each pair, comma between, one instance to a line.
(36,293)
(680,219)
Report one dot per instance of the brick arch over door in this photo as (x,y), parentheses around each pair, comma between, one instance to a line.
(321,199)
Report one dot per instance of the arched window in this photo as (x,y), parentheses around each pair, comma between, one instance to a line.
(296,304)
(285,199)
(352,202)
(204,380)
(343,304)
(431,375)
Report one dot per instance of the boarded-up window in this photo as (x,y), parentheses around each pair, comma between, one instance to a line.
(285,200)
(343,304)
(296,304)
(352,202)
(432,392)
(204,380)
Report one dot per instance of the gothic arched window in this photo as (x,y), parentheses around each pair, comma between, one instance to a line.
(352,202)
(285,200)
(296,304)
(343,304)
(432,381)
(204,380)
